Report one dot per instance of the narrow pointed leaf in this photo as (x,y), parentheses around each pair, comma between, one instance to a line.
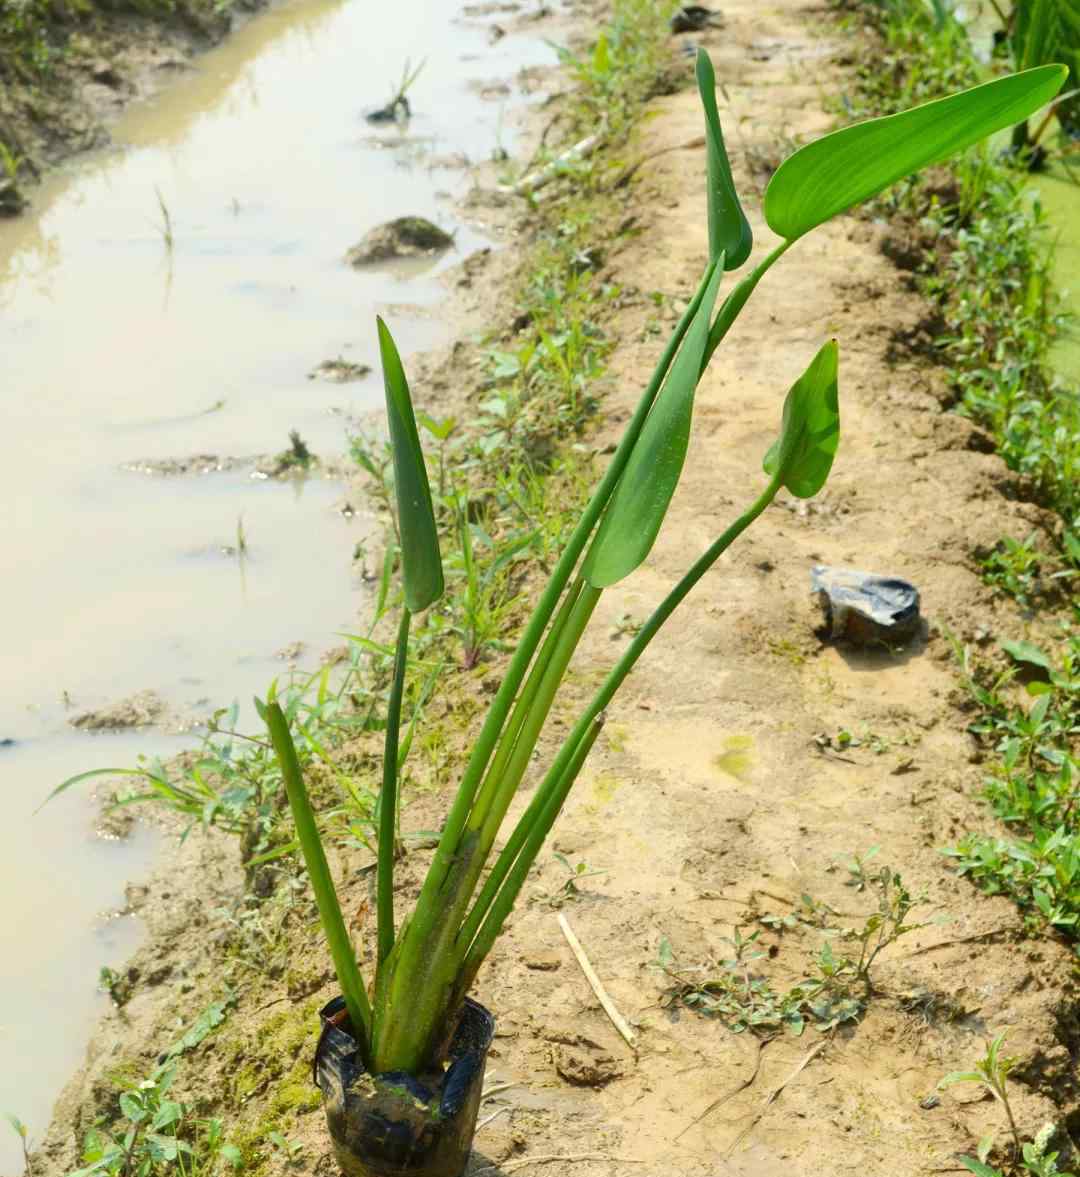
(641,499)
(420,559)
(849,166)
(803,454)
(729,230)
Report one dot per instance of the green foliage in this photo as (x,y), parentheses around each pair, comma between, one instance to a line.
(730,238)
(985,264)
(420,559)
(852,165)
(154,1134)
(635,514)
(991,1073)
(837,988)
(1033,784)
(802,456)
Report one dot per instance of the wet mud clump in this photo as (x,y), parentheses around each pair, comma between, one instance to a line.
(402,237)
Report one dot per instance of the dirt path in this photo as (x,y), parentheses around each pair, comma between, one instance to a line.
(711,798)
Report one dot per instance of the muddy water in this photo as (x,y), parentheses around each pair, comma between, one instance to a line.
(117,347)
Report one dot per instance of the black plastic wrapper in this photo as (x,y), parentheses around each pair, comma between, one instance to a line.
(393,1124)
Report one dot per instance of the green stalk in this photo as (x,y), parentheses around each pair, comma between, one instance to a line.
(488,824)
(740,293)
(518,847)
(388,795)
(428,908)
(537,834)
(522,707)
(442,953)
(337,937)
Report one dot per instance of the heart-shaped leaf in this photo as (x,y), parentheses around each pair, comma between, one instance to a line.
(420,558)
(849,166)
(802,455)
(729,230)
(637,509)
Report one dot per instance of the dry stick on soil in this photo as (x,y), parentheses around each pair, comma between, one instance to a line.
(551,1158)
(962,940)
(617,1020)
(774,1094)
(748,1082)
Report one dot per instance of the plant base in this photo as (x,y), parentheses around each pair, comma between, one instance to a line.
(394,1124)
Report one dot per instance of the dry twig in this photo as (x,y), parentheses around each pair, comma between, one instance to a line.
(617,1020)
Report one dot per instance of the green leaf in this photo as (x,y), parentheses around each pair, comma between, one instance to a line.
(849,166)
(803,454)
(131,1108)
(729,230)
(961,1077)
(420,558)
(978,1168)
(641,499)
(1027,652)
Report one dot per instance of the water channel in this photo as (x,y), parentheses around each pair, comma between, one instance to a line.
(117,348)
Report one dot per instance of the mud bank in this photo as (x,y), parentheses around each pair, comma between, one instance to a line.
(722,790)
(69,71)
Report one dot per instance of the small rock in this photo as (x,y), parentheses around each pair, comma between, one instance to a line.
(543,962)
(403,237)
(863,607)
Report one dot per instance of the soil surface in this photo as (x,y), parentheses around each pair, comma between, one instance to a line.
(721,789)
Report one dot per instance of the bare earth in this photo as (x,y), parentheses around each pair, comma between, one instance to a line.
(708,801)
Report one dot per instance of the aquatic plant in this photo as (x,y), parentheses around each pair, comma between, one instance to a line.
(426,965)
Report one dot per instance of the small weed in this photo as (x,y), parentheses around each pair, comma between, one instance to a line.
(118,986)
(836,989)
(289,1150)
(153,1134)
(20,1130)
(1032,786)
(10,161)
(165,225)
(297,456)
(991,1072)
(569,890)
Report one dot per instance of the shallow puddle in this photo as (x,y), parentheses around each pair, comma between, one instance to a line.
(118,346)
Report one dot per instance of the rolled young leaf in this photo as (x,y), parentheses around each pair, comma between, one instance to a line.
(849,166)
(420,559)
(637,509)
(802,455)
(729,230)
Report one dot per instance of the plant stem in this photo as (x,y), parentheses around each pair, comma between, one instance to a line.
(534,840)
(522,706)
(388,794)
(537,712)
(490,907)
(740,293)
(337,937)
